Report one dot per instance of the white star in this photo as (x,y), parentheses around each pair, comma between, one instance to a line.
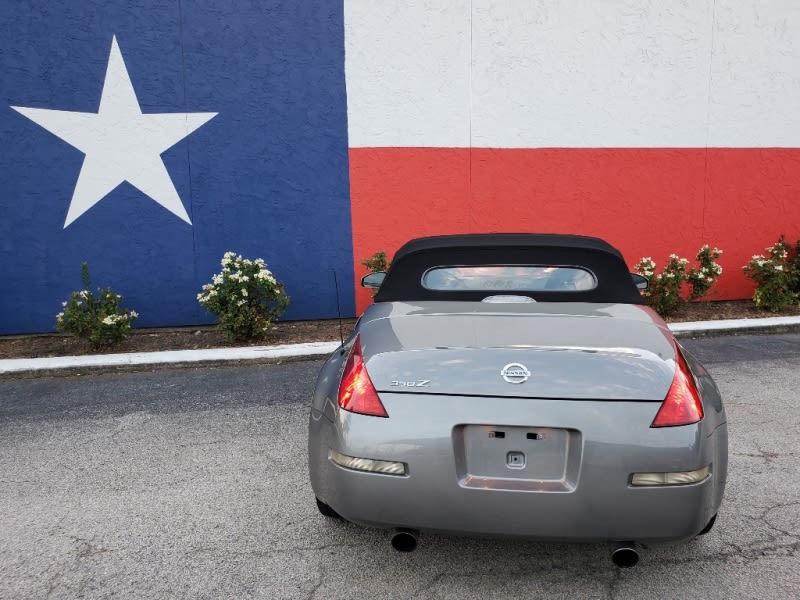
(120,143)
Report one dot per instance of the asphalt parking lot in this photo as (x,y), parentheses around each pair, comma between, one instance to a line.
(193,483)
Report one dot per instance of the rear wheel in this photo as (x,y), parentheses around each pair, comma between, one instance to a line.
(327,510)
(709,526)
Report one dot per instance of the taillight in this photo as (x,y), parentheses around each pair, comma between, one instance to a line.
(356,392)
(682,406)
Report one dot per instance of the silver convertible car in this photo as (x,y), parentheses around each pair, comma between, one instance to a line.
(515,385)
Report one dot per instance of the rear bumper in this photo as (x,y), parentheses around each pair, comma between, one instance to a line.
(598,504)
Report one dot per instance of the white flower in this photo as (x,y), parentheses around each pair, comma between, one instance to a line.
(133,314)
(241,303)
(244,292)
(109,320)
(64,304)
(779,267)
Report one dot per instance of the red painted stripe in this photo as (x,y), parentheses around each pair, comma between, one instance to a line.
(647,202)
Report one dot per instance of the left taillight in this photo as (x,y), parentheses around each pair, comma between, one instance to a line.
(356,392)
(683,405)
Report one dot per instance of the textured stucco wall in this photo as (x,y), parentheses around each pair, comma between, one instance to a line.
(316,132)
(658,125)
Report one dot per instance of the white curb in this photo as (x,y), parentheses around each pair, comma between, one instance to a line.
(19,365)
(16,365)
(733,324)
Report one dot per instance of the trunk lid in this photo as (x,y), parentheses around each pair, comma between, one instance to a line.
(572,351)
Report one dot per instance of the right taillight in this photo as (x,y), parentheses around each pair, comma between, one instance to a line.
(356,392)
(683,405)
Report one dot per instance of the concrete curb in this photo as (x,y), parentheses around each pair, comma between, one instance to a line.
(317,349)
(171,357)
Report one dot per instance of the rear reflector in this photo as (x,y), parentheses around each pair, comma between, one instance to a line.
(356,392)
(682,406)
(370,465)
(677,478)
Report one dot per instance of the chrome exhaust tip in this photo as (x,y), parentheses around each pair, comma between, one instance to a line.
(404,540)
(624,554)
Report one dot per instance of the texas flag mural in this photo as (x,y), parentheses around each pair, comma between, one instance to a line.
(149,137)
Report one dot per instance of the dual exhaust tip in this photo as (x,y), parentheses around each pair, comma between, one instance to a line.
(404,540)
(623,554)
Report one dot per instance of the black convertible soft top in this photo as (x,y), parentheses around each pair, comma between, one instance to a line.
(404,279)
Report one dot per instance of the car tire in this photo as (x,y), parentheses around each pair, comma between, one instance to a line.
(326,510)
(708,526)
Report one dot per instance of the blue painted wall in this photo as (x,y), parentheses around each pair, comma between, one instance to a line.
(267,177)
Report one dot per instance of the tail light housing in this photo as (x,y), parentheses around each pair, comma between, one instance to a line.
(683,405)
(356,392)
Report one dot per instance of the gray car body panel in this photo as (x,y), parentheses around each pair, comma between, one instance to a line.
(598,373)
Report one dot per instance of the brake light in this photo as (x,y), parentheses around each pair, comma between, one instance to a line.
(356,392)
(682,406)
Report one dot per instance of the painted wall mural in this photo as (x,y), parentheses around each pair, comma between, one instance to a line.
(147,137)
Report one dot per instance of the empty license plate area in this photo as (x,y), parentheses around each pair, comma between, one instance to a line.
(517,458)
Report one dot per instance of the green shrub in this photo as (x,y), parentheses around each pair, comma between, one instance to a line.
(377,263)
(245,297)
(777,276)
(665,291)
(98,317)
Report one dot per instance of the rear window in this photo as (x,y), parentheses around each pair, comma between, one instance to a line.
(518,278)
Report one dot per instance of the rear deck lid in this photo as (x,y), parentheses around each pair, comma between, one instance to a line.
(617,352)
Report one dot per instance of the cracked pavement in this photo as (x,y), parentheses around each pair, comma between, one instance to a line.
(193,483)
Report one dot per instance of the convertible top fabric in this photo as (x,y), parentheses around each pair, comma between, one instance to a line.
(404,280)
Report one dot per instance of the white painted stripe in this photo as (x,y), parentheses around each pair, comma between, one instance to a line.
(573,73)
(18,365)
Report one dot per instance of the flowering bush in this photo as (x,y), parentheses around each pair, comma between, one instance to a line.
(665,291)
(777,276)
(98,318)
(245,297)
(702,280)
